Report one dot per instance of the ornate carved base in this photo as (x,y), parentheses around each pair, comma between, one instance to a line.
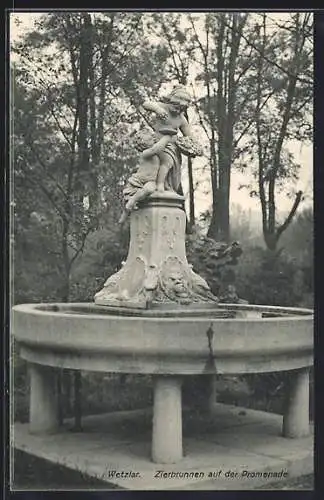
(156,269)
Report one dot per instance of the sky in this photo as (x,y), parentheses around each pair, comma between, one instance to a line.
(303,154)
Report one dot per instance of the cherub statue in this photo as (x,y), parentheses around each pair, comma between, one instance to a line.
(169,120)
(161,149)
(144,181)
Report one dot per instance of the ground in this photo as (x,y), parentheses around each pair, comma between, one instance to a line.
(33,473)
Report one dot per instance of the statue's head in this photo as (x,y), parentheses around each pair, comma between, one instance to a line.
(144,138)
(179,98)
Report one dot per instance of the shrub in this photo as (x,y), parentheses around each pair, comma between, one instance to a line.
(264,277)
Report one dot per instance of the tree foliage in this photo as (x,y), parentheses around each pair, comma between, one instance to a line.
(282,114)
(76,87)
(73,100)
(251,78)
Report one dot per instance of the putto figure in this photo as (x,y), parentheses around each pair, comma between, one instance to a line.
(144,181)
(168,121)
(160,161)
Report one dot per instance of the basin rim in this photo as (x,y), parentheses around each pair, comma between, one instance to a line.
(64,310)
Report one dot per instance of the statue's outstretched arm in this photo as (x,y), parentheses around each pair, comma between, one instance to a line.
(154,106)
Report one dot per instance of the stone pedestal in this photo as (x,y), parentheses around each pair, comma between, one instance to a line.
(167,420)
(43,411)
(156,270)
(296,412)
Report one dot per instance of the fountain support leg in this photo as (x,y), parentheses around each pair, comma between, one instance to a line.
(167,420)
(43,411)
(296,413)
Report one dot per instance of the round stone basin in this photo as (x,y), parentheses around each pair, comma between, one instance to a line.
(226,339)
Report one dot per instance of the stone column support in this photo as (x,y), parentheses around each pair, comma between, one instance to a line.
(43,412)
(296,412)
(167,420)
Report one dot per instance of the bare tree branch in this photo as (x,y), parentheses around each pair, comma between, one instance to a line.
(290,216)
(201,121)
(273,63)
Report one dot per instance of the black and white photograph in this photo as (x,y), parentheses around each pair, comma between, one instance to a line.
(161,250)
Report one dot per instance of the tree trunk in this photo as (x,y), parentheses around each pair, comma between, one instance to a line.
(97,127)
(225,99)
(65,293)
(223,229)
(191,221)
(270,240)
(219,225)
(213,226)
(83,102)
(188,225)
(191,194)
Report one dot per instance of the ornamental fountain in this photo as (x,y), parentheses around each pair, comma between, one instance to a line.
(157,316)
